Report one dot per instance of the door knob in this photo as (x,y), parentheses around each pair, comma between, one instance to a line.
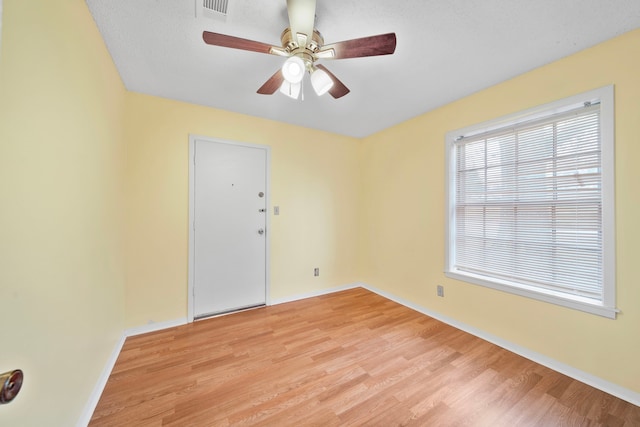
(261,231)
(10,383)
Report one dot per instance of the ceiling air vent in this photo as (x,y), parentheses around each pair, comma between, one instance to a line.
(214,8)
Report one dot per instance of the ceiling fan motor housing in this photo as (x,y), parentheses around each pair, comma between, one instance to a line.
(306,53)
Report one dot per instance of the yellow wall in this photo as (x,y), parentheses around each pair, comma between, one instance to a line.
(61,203)
(314,180)
(402,212)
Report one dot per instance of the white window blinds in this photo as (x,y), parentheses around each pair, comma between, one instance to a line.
(528,204)
(531,207)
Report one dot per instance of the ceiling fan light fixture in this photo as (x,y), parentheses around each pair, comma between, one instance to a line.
(321,82)
(293,69)
(292,90)
(302,44)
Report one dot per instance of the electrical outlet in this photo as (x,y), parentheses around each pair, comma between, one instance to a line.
(440,291)
(316,271)
(276,210)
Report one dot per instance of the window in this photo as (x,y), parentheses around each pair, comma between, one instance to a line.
(531,203)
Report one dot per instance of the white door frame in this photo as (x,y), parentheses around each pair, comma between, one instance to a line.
(192,158)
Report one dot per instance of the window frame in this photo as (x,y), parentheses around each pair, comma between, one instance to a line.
(607,307)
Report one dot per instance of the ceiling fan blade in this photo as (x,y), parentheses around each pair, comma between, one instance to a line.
(382,44)
(302,17)
(338,90)
(273,84)
(224,40)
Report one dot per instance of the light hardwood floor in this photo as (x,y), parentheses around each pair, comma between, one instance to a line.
(349,358)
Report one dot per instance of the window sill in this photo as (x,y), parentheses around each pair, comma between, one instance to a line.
(569,301)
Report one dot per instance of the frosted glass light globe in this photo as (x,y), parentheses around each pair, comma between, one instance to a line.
(321,82)
(293,69)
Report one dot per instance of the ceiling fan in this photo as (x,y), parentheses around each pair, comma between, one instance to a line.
(303,45)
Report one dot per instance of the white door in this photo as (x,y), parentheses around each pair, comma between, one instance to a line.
(229,228)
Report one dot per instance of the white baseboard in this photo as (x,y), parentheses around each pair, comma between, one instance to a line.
(592,380)
(87,413)
(314,294)
(156,326)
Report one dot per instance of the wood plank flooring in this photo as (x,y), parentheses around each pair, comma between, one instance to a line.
(345,359)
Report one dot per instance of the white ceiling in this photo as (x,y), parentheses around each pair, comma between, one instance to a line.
(446,49)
